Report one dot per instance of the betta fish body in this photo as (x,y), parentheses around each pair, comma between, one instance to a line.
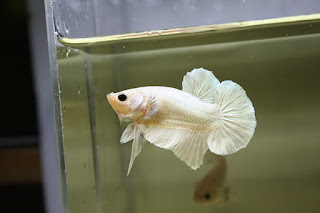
(204,114)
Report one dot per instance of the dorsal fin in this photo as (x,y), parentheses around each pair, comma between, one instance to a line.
(200,83)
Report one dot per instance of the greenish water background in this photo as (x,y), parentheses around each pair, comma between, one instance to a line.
(279,171)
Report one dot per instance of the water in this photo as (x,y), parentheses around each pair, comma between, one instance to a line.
(276,63)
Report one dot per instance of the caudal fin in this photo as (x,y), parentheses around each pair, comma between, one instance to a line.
(237,121)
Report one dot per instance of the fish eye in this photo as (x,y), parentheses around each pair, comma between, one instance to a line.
(122,97)
(207,196)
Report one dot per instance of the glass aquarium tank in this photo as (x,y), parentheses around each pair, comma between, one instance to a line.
(271,49)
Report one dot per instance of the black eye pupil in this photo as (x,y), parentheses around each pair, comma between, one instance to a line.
(122,97)
(207,196)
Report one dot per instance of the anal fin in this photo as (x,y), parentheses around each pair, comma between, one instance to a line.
(192,150)
(187,145)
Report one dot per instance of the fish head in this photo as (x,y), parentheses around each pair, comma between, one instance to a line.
(127,102)
(209,196)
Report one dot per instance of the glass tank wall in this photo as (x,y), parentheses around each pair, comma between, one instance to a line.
(277,63)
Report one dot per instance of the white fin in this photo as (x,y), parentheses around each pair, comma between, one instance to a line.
(192,150)
(189,146)
(153,107)
(137,144)
(127,134)
(200,83)
(164,137)
(237,120)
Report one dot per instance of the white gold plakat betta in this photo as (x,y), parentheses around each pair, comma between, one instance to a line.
(205,114)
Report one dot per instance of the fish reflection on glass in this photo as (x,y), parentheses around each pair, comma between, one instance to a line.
(211,189)
(205,114)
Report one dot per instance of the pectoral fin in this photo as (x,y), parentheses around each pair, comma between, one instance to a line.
(152,107)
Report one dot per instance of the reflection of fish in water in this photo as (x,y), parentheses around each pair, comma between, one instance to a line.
(211,189)
(206,114)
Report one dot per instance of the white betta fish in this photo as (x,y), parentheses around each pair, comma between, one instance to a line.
(204,114)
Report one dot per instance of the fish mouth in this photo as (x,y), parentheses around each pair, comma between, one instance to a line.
(110,96)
